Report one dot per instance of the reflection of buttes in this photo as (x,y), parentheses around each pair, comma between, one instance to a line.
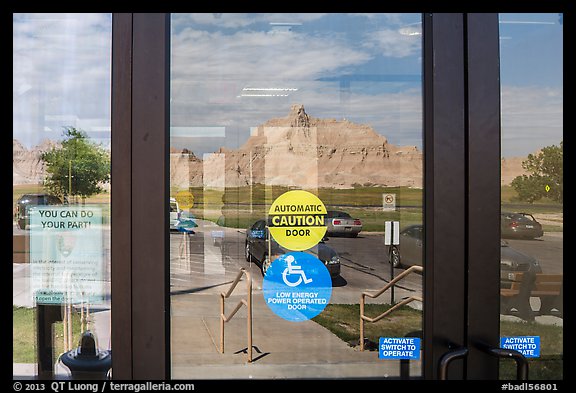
(301,118)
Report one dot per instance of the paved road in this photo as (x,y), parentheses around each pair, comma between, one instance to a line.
(364,265)
(363,259)
(207,269)
(548,250)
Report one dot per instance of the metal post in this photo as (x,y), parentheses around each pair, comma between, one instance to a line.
(222,324)
(391,264)
(69,180)
(65,328)
(46,315)
(269,247)
(249,315)
(69,305)
(88,316)
(362,300)
(82,317)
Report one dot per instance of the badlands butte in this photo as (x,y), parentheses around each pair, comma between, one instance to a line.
(296,150)
(310,152)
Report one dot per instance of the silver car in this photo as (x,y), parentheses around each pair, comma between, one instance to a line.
(341,223)
(410,252)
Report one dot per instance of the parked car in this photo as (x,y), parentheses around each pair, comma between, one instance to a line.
(257,249)
(513,260)
(27,200)
(341,223)
(519,225)
(174,214)
(410,252)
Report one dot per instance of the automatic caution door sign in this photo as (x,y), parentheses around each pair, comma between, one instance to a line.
(185,199)
(296,220)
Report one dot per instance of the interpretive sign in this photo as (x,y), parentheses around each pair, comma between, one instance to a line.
(66,254)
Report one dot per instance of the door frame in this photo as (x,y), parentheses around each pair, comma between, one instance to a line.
(461,106)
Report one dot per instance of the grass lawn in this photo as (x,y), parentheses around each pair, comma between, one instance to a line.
(259,194)
(242,206)
(344,321)
(549,364)
(24,335)
(102,200)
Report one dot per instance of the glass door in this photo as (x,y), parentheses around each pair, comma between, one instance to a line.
(296,195)
(532,208)
(61,142)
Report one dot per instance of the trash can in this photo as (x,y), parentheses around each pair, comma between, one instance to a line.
(86,361)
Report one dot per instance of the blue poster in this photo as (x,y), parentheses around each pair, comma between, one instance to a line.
(529,346)
(297,286)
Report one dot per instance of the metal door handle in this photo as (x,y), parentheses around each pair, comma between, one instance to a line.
(504,353)
(447,358)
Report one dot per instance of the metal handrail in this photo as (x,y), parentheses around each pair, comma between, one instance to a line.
(380,292)
(247,302)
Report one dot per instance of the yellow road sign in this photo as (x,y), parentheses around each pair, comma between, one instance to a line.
(185,199)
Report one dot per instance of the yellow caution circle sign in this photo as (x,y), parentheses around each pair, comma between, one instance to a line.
(185,199)
(296,220)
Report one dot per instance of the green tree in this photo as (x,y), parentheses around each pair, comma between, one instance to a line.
(545,175)
(87,162)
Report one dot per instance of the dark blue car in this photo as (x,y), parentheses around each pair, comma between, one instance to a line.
(258,249)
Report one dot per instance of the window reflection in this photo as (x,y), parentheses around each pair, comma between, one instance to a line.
(61,190)
(264,104)
(532,190)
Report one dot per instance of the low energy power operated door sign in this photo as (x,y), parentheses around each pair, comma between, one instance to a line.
(399,348)
(296,220)
(297,286)
(391,233)
(529,346)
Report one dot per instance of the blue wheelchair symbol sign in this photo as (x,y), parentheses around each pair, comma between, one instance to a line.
(297,286)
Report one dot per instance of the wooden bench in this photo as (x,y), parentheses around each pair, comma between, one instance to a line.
(518,287)
(549,288)
(515,294)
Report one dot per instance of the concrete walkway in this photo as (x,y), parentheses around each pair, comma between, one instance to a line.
(99,322)
(281,349)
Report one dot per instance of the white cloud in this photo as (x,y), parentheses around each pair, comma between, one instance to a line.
(244,54)
(210,69)
(238,20)
(532,117)
(397,116)
(61,67)
(392,43)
